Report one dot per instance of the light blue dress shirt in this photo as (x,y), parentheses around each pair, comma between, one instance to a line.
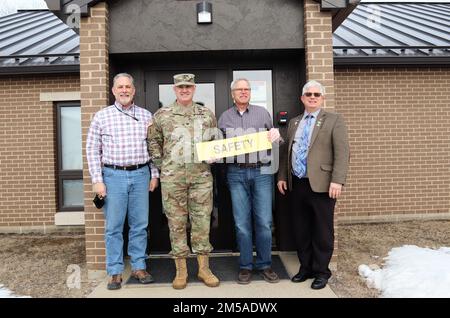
(299,133)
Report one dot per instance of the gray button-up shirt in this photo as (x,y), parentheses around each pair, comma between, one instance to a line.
(254,119)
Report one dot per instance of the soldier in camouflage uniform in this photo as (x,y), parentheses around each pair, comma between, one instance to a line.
(186,183)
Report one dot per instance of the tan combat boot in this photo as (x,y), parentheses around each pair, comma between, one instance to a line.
(180,280)
(204,273)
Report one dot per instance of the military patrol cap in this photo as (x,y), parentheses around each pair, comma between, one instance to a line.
(183,79)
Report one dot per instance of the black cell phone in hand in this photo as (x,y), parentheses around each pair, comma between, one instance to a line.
(98,201)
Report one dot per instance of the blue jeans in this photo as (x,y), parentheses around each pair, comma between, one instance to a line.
(126,191)
(251,196)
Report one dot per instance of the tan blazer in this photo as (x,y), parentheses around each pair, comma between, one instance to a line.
(328,155)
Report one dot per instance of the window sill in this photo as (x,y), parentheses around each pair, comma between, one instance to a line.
(69,218)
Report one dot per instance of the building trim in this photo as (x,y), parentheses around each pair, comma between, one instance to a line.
(381,61)
(393,218)
(69,218)
(44,229)
(59,96)
(39,69)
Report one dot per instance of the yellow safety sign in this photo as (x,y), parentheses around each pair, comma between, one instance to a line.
(233,146)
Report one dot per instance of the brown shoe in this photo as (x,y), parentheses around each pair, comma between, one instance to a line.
(142,276)
(244,277)
(269,275)
(115,282)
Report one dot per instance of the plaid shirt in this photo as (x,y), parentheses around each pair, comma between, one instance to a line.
(115,137)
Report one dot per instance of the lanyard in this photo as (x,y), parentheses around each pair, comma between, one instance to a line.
(134,113)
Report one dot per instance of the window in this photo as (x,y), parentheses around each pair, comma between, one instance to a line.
(70,162)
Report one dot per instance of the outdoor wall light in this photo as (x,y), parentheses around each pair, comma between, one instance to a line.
(333,4)
(204,13)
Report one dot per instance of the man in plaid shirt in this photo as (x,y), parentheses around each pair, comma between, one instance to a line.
(118,160)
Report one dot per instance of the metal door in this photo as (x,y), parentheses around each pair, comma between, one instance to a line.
(211,91)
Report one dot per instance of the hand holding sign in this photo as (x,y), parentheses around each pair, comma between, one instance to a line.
(273,134)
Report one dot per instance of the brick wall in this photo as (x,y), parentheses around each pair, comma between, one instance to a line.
(319,48)
(319,66)
(94,74)
(28,157)
(399,130)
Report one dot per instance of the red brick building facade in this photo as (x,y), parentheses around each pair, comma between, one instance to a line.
(397,118)
(400,142)
(28,151)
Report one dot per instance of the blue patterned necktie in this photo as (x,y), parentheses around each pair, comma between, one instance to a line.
(302,150)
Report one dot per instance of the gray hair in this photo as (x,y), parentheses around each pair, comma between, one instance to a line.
(233,83)
(123,75)
(313,83)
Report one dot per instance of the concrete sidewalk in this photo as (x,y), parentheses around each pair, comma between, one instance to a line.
(229,289)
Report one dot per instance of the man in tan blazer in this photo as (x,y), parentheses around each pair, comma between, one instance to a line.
(313,166)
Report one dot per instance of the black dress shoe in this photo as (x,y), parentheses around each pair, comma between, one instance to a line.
(301,277)
(319,283)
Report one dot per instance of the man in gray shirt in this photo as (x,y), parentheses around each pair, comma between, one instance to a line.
(251,188)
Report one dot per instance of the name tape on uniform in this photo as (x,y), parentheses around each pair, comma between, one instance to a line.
(233,146)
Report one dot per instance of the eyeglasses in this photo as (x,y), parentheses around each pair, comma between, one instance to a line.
(309,94)
(242,89)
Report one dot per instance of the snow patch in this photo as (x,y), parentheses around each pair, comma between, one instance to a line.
(6,293)
(411,271)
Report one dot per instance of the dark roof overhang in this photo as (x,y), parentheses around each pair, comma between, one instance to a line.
(40,69)
(67,6)
(339,14)
(389,61)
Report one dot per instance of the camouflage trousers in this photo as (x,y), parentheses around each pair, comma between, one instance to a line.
(181,201)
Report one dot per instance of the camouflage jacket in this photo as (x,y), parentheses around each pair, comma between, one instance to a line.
(171,140)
